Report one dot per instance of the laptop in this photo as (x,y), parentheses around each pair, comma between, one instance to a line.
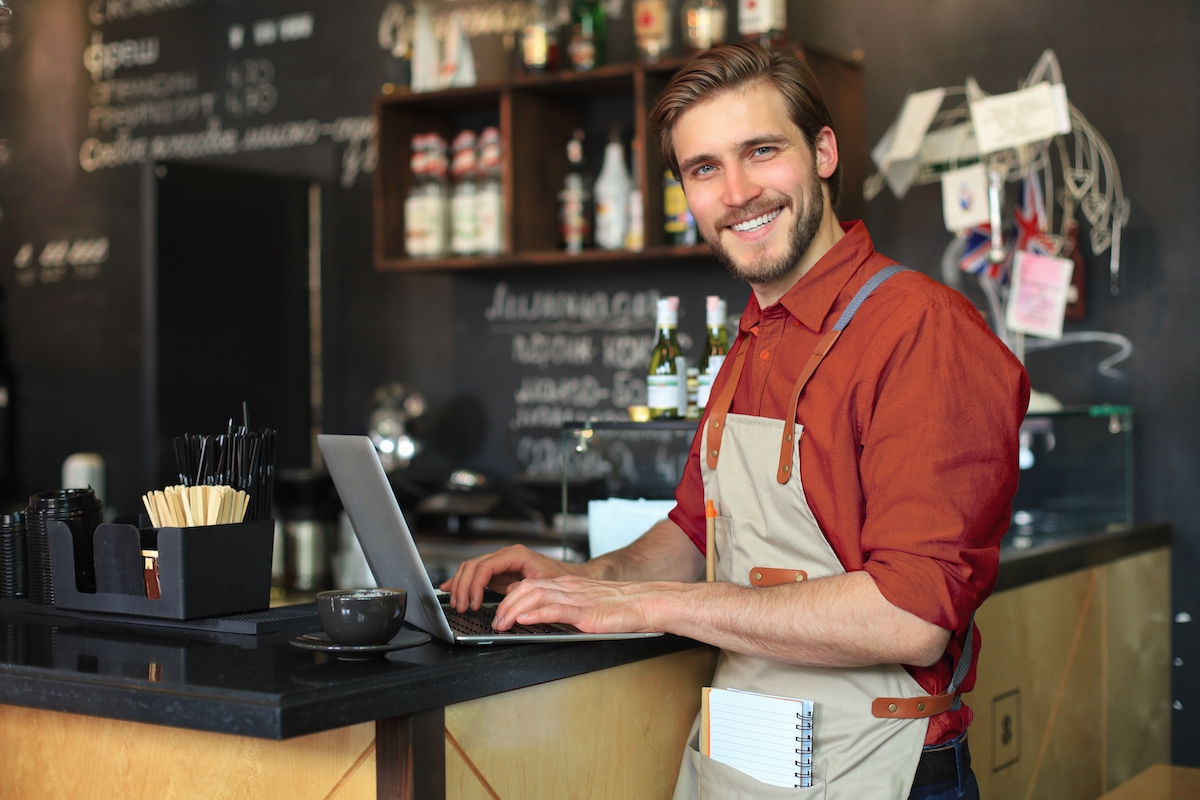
(393,558)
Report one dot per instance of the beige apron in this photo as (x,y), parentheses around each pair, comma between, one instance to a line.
(765,522)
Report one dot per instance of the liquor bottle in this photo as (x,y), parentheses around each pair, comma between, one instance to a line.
(665,384)
(612,196)
(574,199)
(588,35)
(489,197)
(414,230)
(464,204)
(635,228)
(435,205)
(716,347)
(679,227)
(539,40)
(763,21)
(652,23)
(703,24)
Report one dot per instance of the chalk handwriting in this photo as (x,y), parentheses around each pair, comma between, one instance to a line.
(250,87)
(102,60)
(626,351)
(215,139)
(559,311)
(542,349)
(102,11)
(80,258)
(159,86)
(292,28)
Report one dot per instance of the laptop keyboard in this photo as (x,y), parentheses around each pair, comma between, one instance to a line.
(479,623)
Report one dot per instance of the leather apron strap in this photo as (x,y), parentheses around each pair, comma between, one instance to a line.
(720,409)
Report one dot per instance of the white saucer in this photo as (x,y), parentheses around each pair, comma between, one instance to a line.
(323,644)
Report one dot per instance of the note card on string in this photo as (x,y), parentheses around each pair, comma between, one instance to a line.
(768,738)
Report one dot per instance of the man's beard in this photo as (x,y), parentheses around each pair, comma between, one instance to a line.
(804,230)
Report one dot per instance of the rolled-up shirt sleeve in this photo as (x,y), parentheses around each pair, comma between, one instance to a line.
(938,413)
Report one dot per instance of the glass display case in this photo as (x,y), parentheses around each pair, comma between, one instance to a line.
(1076,472)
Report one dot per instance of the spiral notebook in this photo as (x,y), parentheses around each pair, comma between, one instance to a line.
(768,738)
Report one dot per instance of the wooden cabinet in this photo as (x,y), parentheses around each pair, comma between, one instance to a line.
(536,117)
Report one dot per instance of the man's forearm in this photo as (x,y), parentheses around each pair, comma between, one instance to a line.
(662,553)
(839,621)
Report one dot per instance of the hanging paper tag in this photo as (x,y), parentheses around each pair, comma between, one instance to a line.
(965,198)
(1022,117)
(896,153)
(1038,295)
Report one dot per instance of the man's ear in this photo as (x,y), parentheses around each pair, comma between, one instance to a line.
(825,150)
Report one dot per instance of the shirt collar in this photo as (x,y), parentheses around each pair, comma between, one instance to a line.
(811,298)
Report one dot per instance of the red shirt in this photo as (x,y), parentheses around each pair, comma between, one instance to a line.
(909,453)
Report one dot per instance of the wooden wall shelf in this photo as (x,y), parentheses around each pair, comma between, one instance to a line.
(536,116)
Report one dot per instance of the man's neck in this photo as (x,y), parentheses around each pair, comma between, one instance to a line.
(828,235)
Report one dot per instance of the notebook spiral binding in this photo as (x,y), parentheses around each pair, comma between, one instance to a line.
(805,763)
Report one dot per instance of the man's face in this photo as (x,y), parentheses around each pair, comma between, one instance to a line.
(751,181)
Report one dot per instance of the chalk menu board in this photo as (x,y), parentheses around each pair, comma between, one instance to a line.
(94,93)
(553,349)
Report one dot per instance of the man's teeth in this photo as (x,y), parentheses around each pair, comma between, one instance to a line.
(757,222)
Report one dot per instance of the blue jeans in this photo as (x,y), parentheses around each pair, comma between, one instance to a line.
(964,788)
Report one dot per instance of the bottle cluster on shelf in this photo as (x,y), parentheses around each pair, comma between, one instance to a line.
(675,390)
(701,23)
(607,211)
(455,203)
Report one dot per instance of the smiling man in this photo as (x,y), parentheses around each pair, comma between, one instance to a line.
(862,490)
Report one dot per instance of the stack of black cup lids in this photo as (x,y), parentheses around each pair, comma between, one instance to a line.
(13,558)
(82,511)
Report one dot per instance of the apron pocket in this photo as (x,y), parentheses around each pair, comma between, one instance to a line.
(717,781)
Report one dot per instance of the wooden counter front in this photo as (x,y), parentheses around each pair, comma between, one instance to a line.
(616,732)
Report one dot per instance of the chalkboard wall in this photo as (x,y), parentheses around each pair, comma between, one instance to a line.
(94,92)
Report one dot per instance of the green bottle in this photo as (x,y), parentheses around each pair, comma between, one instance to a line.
(716,347)
(666,381)
(586,48)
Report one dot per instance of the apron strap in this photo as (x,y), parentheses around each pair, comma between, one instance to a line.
(787,445)
(918,707)
(720,408)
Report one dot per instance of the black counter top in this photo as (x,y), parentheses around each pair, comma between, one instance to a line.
(263,687)
(1028,559)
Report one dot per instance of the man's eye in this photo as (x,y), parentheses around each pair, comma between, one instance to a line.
(764,150)
(704,170)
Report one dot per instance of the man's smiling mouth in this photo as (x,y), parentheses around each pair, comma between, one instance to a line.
(757,222)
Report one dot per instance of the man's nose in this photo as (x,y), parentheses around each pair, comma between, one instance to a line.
(740,186)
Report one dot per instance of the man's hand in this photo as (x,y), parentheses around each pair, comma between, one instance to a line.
(498,571)
(592,606)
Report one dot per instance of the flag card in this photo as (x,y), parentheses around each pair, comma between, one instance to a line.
(965,198)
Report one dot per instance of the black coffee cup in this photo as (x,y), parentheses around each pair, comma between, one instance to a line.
(362,617)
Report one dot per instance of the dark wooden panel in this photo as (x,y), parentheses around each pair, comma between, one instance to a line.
(842,87)
(410,756)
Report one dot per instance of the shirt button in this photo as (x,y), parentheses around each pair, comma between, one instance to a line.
(764,355)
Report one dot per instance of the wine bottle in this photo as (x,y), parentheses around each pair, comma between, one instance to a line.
(464,206)
(716,347)
(612,196)
(763,21)
(489,196)
(703,24)
(663,379)
(588,35)
(574,198)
